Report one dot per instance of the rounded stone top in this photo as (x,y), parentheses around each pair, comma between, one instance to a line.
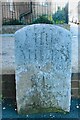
(46,26)
(38,41)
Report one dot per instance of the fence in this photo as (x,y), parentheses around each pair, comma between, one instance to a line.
(26,12)
(15,11)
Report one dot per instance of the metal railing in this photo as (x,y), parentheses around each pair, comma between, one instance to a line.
(15,11)
(26,12)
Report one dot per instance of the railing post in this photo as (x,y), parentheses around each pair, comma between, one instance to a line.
(31,6)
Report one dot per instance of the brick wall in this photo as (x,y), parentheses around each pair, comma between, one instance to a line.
(8,86)
(75,84)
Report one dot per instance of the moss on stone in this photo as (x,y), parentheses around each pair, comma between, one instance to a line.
(41,110)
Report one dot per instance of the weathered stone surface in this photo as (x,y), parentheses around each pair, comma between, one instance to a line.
(43,68)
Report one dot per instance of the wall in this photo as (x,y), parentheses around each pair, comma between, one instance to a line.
(73,10)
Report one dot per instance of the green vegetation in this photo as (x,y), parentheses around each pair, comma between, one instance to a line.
(43,19)
(61,16)
(12,22)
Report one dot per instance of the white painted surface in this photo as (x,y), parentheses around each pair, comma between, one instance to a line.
(7,57)
(75,48)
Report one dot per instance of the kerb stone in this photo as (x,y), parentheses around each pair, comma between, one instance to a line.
(43,69)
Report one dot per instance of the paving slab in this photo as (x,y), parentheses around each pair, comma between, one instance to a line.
(7,57)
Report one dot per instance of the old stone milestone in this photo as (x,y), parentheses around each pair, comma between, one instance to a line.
(43,69)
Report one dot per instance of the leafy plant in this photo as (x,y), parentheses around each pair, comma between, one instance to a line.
(61,16)
(12,22)
(42,19)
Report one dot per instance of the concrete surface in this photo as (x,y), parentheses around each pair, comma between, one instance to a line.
(74,31)
(7,57)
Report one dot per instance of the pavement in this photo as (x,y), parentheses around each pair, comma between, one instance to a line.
(7,55)
(9,111)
